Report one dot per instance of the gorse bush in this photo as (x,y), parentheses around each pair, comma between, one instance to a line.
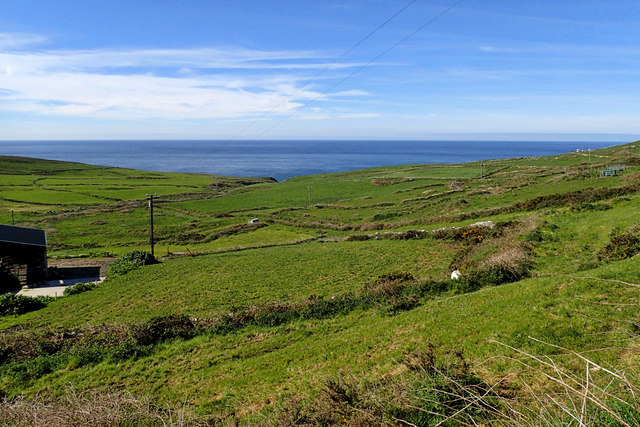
(139,257)
(621,246)
(131,261)
(19,304)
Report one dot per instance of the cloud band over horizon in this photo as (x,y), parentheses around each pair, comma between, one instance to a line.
(531,73)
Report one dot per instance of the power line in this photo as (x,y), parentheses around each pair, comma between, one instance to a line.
(356,71)
(312,79)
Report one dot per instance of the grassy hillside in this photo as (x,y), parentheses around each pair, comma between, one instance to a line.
(337,306)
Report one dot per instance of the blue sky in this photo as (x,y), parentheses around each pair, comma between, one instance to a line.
(238,69)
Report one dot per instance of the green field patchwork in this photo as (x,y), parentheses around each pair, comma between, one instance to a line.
(342,279)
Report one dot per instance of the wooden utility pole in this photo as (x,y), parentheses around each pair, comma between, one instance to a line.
(151,222)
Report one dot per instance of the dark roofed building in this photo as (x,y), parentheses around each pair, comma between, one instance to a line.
(23,252)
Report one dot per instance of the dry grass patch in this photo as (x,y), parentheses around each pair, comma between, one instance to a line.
(94,409)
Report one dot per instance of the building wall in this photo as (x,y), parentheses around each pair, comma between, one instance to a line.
(28,263)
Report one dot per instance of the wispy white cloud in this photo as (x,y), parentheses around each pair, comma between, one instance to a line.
(156,83)
(181,59)
(20,40)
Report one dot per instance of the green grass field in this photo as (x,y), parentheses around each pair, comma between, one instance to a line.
(279,310)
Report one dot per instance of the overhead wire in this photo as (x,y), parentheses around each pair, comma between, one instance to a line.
(357,70)
(323,70)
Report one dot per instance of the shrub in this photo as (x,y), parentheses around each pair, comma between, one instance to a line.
(139,257)
(131,261)
(78,288)
(162,328)
(121,266)
(499,271)
(582,207)
(128,349)
(535,236)
(498,274)
(621,246)
(322,308)
(388,284)
(400,303)
(506,267)
(468,235)
(465,285)
(18,304)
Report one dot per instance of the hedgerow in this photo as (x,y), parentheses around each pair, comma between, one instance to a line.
(390,292)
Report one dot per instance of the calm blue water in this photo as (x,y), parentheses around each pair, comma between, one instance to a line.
(280,159)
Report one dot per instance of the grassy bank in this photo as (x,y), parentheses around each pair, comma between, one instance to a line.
(327,303)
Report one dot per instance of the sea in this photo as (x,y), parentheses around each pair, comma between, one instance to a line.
(281,159)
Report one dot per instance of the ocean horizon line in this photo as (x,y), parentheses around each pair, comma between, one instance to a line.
(283,159)
(517,137)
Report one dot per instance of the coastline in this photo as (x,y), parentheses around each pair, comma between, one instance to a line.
(283,159)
